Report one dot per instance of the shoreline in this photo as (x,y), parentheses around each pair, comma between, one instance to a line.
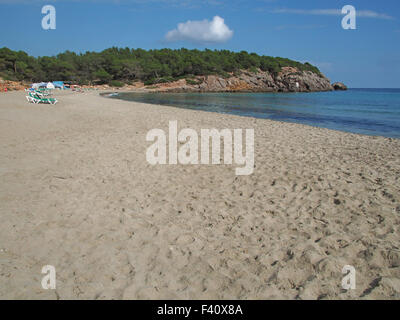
(78,193)
(107,94)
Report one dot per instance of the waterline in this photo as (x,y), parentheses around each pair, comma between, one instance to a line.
(363,111)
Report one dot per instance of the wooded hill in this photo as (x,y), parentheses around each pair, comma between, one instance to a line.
(117,66)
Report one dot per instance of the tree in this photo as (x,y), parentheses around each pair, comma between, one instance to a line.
(103,76)
(124,64)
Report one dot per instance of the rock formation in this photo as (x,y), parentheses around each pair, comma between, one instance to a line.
(339,86)
(11,85)
(288,80)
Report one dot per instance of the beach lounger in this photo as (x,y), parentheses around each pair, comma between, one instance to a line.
(32,99)
(48,100)
(42,94)
(35,98)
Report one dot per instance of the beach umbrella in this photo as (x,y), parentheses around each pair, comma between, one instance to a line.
(50,86)
(58,84)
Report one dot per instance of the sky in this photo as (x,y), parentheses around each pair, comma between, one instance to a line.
(306,31)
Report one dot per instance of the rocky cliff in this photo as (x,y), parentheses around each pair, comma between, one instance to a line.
(288,80)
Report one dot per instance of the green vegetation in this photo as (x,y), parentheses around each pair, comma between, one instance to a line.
(193,82)
(116,66)
(116,83)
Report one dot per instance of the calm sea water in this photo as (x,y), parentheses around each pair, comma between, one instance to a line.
(365,111)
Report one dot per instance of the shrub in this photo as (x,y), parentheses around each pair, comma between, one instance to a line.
(253,69)
(116,83)
(149,82)
(193,82)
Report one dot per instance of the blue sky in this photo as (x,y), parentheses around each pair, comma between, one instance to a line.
(307,30)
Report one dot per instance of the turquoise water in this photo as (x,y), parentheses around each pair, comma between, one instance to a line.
(365,111)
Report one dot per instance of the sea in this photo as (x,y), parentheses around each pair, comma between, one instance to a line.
(373,112)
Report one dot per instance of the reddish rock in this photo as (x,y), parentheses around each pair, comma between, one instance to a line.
(288,80)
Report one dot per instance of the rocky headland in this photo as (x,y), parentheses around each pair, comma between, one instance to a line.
(289,79)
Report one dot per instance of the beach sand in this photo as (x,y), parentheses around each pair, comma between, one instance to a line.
(76,192)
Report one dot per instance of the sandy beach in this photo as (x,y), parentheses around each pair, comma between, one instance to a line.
(76,192)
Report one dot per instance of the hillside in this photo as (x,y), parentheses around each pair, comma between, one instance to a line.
(217,70)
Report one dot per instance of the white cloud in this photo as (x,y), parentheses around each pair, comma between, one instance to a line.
(203,31)
(335,12)
(373,14)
